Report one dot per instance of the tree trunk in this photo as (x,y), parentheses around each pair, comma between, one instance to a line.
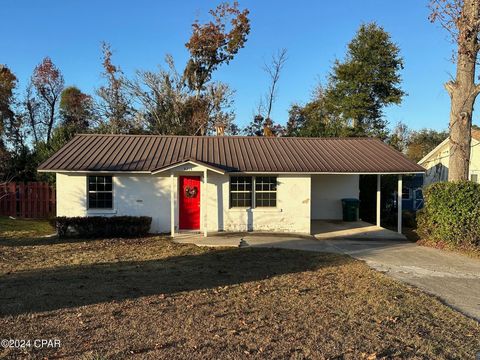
(51,122)
(463,92)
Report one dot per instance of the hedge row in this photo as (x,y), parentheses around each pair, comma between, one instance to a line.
(100,226)
(451,213)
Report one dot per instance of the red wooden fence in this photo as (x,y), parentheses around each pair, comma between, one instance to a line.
(31,200)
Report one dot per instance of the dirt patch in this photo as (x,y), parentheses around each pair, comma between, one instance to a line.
(151,298)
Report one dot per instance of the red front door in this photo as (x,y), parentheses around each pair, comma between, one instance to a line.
(189,199)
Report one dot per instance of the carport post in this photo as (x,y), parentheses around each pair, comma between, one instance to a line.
(172,205)
(378,200)
(205,201)
(399,204)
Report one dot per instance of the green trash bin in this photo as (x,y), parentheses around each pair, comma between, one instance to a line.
(350,209)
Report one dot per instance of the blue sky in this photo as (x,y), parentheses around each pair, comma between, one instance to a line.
(141,32)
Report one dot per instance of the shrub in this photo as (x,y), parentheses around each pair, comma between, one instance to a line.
(451,213)
(409,219)
(100,226)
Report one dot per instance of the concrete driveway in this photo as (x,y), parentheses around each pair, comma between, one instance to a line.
(453,278)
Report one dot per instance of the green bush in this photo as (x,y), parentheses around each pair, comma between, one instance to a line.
(451,213)
(409,219)
(101,226)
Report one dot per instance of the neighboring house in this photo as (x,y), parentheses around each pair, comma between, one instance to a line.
(218,183)
(436,161)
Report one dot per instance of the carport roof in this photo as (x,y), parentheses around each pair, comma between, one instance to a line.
(245,154)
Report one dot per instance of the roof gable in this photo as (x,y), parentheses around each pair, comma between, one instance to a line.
(188,162)
(431,154)
(132,153)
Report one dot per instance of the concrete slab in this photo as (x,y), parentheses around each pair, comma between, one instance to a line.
(333,229)
(232,239)
(453,278)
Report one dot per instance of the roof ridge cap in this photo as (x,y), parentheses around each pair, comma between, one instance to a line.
(236,137)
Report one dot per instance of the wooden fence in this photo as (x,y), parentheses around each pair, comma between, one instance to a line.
(31,200)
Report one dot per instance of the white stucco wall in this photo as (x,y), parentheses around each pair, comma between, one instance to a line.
(71,195)
(134,195)
(292,213)
(437,163)
(327,192)
(149,195)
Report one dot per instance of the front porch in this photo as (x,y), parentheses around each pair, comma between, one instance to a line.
(321,230)
(308,204)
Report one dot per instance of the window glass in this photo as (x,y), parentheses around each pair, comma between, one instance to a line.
(240,191)
(266,191)
(100,192)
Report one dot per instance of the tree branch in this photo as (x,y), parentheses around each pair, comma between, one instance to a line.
(450,87)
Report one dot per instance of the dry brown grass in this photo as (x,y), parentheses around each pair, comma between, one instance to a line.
(471,251)
(22,228)
(151,298)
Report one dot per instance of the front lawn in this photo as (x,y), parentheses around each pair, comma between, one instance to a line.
(151,298)
(21,228)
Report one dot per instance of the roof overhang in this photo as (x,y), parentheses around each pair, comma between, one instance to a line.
(188,162)
(331,173)
(219,171)
(91,171)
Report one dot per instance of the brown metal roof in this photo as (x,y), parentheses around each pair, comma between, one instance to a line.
(130,153)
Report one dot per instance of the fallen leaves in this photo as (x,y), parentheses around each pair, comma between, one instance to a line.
(152,298)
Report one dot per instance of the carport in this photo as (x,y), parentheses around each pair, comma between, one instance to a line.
(327,192)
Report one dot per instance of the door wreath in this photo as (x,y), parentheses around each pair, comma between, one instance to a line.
(191,192)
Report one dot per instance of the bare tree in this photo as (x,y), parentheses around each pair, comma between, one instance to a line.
(48,82)
(273,70)
(170,106)
(114,106)
(160,96)
(461,19)
(32,109)
(262,123)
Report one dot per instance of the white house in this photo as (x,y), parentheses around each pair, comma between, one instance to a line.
(218,183)
(436,161)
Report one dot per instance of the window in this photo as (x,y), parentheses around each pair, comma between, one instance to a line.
(240,191)
(474,178)
(406,193)
(265,191)
(100,192)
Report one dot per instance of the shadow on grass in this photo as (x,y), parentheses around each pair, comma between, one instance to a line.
(37,241)
(51,240)
(73,286)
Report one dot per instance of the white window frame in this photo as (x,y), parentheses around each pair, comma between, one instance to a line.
(253,192)
(265,191)
(97,192)
(230,192)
